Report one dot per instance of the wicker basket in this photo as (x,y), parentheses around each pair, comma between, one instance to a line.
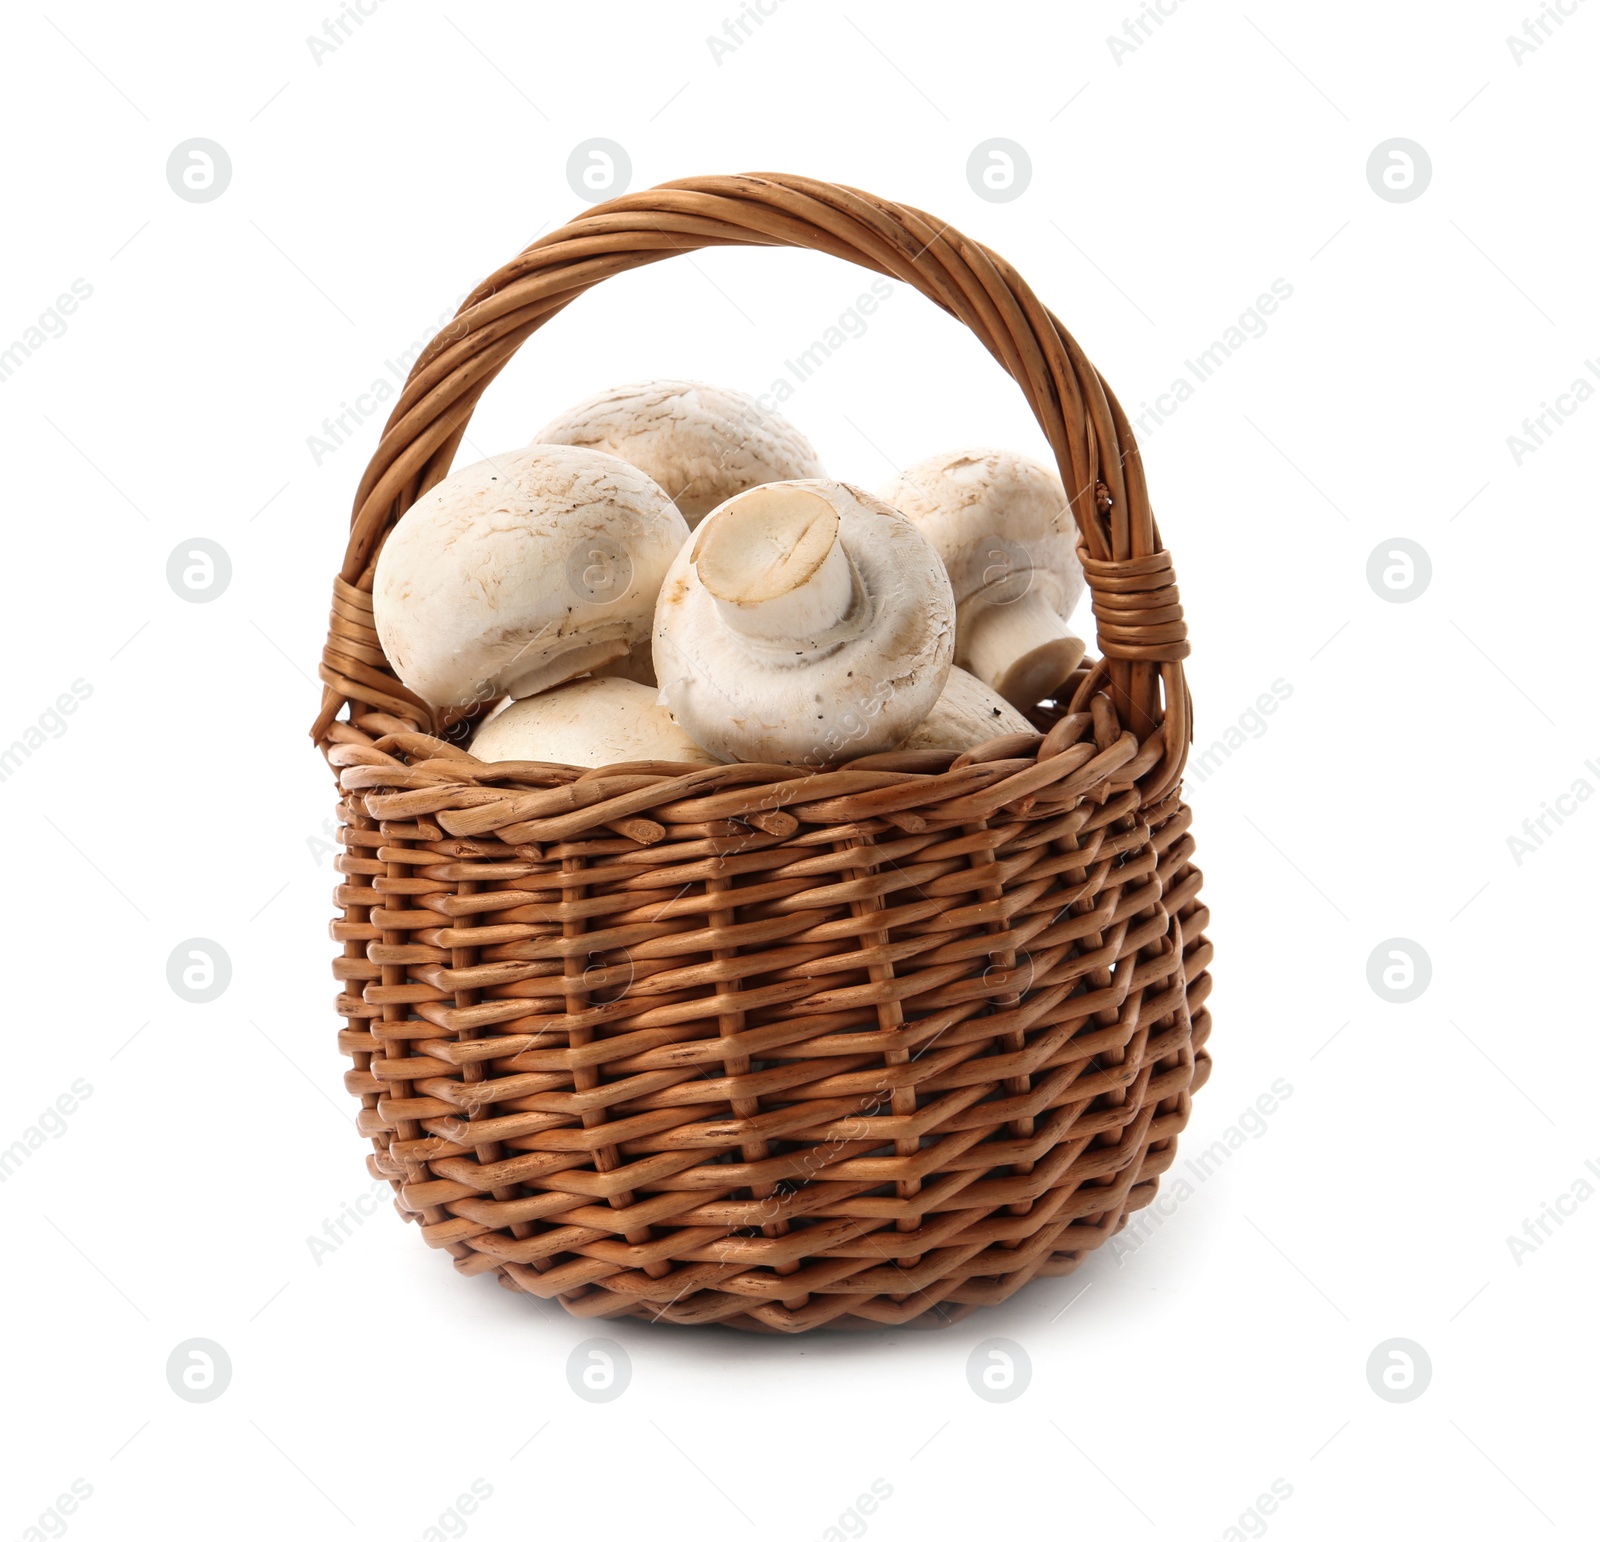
(868,1045)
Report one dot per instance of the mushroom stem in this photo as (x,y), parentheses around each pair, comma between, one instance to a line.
(1023,648)
(775,565)
(807,622)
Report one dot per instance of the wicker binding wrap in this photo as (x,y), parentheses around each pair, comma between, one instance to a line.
(868,1044)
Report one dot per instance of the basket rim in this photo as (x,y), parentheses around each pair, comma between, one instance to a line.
(403,773)
(1139,618)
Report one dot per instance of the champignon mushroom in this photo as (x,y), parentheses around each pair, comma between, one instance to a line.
(966,714)
(587,722)
(806,622)
(1002,525)
(702,443)
(520,572)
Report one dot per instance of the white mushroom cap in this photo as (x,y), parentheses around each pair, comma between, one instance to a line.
(520,572)
(587,722)
(966,714)
(1002,524)
(806,622)
(702,443)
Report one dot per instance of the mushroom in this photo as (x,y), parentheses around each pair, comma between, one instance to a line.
(701,442)
(806,622)
(520,572)
(966,714)
(587,722)
(1002,525)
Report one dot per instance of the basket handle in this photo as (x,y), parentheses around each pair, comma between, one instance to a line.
(1139,619)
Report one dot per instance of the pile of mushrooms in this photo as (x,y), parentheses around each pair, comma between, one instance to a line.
(667,575)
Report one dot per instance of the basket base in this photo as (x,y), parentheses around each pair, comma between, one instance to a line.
(822,1313)
(881,1137)
(928,1321)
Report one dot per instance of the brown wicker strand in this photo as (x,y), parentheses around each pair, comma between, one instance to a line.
(782,1049)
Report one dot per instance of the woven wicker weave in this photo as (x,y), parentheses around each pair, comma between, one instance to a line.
(867,1045)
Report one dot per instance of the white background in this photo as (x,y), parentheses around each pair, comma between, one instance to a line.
(1172,1383)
